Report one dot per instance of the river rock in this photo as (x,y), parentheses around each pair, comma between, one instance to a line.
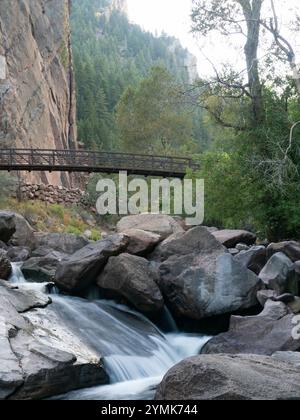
(51,366)
(7,226)
(42,269)
(290,248)
(288,357)
(242,247)
(158,224)
(195,241)
(77,272)
(230,238)
(5,266)
(3,246)
(21,300)
(65,243)
(40,357)
(254,259)
(42,251)
(275,274)
(265,334)
(24,233)
(134,279)
(274,310)
(11,376)
(227,377)
(233,251)
(141,243)
(18,253)
(200,279)
(264,295)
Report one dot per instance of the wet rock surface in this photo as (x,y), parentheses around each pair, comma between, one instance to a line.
(225,377)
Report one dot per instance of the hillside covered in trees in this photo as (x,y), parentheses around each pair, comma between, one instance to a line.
(111,55)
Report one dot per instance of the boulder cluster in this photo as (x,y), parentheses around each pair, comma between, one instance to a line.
(199,273)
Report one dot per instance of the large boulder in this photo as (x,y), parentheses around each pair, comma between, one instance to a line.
(194,241)
(275,274)
(66,243)
(24,233)
(52,367)
(42,269)
(80,270)
(5,266)
(18,253)
(200,279)
(290,248)
(230,238)
(141,243)
(264,295)
(254,259)
(265,334)
(159,224)
(7,226)
(134,279)
(15,230)
(20,300)
(39,356)
(226,377)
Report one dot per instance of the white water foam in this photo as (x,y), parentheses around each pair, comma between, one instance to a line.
(136,354)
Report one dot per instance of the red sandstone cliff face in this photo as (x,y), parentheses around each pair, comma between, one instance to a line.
(37,92)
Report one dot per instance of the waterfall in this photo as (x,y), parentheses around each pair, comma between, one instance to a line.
(136,353)
(17,275)
(17,278)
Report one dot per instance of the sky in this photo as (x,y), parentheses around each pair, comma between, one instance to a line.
(173,17)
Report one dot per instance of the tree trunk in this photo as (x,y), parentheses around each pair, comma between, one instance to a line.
(252,13)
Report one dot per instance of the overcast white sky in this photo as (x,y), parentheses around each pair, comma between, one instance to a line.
(173,17)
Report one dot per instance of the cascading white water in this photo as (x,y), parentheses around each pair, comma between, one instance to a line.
(136,354)
(17,275)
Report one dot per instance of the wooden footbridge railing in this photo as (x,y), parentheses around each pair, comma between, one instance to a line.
(93,162)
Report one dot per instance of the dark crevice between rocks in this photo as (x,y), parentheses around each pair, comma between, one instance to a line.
(215,325)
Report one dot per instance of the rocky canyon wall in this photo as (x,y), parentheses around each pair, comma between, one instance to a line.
(37,92)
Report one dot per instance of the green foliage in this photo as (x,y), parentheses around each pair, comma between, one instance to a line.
(152,118)
(110,54)
(57,210)
(73,230)
(96,235)
(250,182)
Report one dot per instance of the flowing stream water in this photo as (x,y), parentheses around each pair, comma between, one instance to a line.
(136,353)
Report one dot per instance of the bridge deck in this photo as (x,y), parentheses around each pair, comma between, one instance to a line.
(93,162)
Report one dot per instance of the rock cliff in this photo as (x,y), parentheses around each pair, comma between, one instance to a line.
(37,95)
